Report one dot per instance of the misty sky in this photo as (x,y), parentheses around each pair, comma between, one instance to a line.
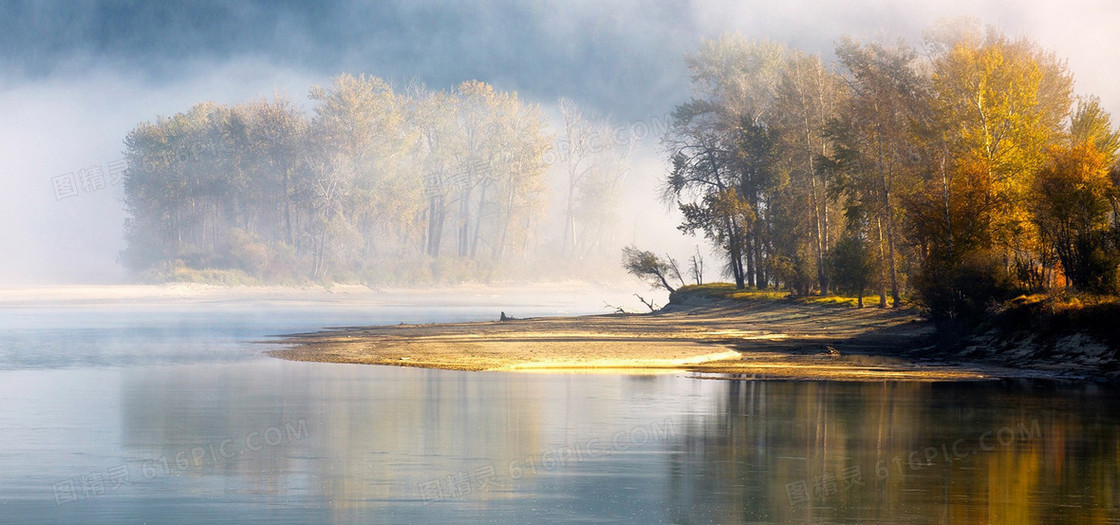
(75,77)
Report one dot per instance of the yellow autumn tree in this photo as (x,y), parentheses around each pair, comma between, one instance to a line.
(1074,201)
(1001,104)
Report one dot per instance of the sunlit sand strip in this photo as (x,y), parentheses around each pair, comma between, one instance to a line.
(747,335)
(790,343)
(838,372)
(615,365)
(692,337)
(617,371)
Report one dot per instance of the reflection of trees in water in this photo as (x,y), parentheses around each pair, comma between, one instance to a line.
(372,434)
(196,421)
(376,433)
(899,452)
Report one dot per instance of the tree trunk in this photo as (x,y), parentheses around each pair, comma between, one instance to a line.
(735,253)
(826,285)
(945,194)
(568,244)
(464,222)
(886,181)
(882,267)
(896,300)
(748,256)
(818,243)
(287,207)
(435,225)
(478,221)
(760,257)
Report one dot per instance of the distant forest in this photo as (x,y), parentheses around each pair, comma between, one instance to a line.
(373,186)
(957,173)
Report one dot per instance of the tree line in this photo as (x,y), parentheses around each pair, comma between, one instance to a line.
(955,173)
(373,184)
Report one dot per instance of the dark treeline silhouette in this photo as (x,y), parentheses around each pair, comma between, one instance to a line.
(956,173)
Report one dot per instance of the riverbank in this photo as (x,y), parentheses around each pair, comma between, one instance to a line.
(699,335)
(1062,335)
(709,331)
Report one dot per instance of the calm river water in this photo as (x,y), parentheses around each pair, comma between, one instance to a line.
(172,414)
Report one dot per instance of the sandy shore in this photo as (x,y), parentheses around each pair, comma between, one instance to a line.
(766,339)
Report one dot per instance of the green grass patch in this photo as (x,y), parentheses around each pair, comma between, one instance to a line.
(710,289)
(214,276)
(728,291)
(758,295)
(840,300)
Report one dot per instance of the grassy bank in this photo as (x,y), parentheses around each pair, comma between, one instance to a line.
(693,294)
(1068,334)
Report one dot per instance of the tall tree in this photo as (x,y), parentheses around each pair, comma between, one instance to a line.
(274,133)
(704,186)
(721,151)
(595,163)
(356,133)
(876,147)
(521,166)
(437,148)
(1007,101)
(1074,201)
(809,98)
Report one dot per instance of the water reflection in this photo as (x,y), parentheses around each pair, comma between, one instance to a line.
(256,440)
(470,447)
(1020,452)
(406,442)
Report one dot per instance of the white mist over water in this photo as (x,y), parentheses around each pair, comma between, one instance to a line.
(59,127)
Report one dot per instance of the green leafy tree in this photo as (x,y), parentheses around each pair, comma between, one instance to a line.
(853,266)
(809,97)
(876,144)
(649,267)
(721,150)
